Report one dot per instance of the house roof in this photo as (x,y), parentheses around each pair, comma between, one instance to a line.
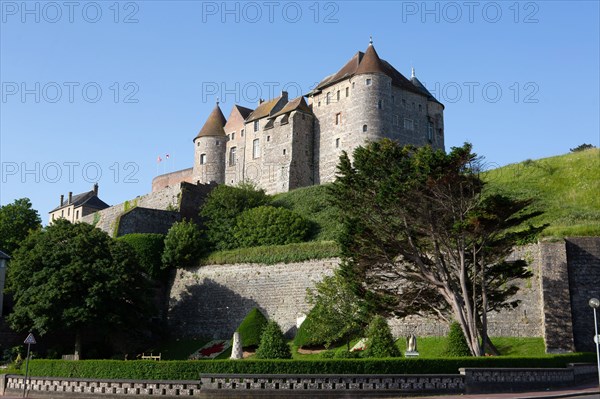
(245,112)
(369,62)
(214,124)
(264,109)
(4,256)
(89,199)
(415,81)
(297,103)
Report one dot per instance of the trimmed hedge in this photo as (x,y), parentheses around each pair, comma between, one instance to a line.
(191,369)
(267,225)
(251,328)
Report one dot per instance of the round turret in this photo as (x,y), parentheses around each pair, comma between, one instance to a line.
(210,149)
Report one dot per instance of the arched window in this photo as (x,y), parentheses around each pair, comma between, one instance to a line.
(364,128)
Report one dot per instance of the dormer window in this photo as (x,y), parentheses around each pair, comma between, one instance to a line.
(286,118)
(255,126)
(368,82)
(270,123)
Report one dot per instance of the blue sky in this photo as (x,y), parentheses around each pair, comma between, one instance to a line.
(96,91)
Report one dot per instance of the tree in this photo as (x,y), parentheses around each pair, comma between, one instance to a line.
(184,245)
(17,220)
(221,209)
(74,277)
(582,147)
(456,345)
(149,248)
(423,236)
(380,342)
(272,343)
(337,312)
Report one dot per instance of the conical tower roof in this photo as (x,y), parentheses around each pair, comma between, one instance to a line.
(371,63)
(214,124)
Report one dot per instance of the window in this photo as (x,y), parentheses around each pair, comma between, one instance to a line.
(242,133)
(327,99)
(338,95)
(319,104)
(408,124)
(202,159)
(364,128)
(419,107)
(353,85)
(268,138)
(396,120)
(62,213)
(52,216)
(256,126)
(368,82)
(232,156)
(284,151)
(337,143)
(255,149)
(198,143)
(380,104)
(347,91)
(338,118)
(68,211)
(430,131)
(217,142)
(393,100)
(77,214)
(233,136)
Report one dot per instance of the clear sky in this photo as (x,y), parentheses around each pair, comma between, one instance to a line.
(96,91)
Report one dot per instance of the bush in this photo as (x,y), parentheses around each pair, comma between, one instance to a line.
(184,245)
(457,343)
(306,335)
(221,209)
(380,342)
(190,369)
(251,328)
(273,344)
(149,249)
(267,225)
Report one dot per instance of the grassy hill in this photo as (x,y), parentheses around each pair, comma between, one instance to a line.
(565,187)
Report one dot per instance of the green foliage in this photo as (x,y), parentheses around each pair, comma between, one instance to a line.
(582,147)
(337,313)
(380,342)
(565,188)
(456,346)
(272,254)
(17,220)
(314,204)
(189,370)
(69,277)
(251,328)
(273,344)
(221,209)
(267,225)
(149,249)
(184,245)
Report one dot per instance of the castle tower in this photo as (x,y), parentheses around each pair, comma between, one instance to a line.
(435,114)
(209,149)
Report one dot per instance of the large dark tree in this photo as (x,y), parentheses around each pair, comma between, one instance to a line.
(16,221)
(75,278)
(422,236)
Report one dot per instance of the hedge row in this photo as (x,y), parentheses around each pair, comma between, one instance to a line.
(191,370)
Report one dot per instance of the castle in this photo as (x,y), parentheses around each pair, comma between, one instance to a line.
(286,143)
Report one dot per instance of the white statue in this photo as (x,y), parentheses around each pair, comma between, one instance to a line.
(236,348)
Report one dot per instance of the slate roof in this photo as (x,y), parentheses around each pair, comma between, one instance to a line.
(245,112)
(297,103)
(214,124)
(4,256)
(422,88)
(263,109)
(89,199)
(369,62)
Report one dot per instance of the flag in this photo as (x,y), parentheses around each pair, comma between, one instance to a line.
(159,159)
(167,156)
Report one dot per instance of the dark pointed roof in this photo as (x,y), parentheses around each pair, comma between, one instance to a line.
(245,112)
(4,256)
(368,62)
(415,81)
(89,199)
(297,103)
(214,124)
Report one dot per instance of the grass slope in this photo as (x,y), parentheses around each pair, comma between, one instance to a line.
(565,187)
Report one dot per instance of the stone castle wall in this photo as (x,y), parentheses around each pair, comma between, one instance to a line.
(212,300)
(172,179)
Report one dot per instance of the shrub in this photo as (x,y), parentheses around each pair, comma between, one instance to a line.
(306,335)
(457,343)
(267,225)
(251,328)
(380,342)
(273,344)
(184,245)
(149,249)
(222,207)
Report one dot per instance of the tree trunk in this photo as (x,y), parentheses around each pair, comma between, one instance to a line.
(77,344)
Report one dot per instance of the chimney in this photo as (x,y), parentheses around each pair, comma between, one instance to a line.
(96,189)
(70,197)
(260,101)
(284,95)
(62,199)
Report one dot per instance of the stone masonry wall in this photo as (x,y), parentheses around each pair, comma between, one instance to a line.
(583,259)
(211,301)
(172,179)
